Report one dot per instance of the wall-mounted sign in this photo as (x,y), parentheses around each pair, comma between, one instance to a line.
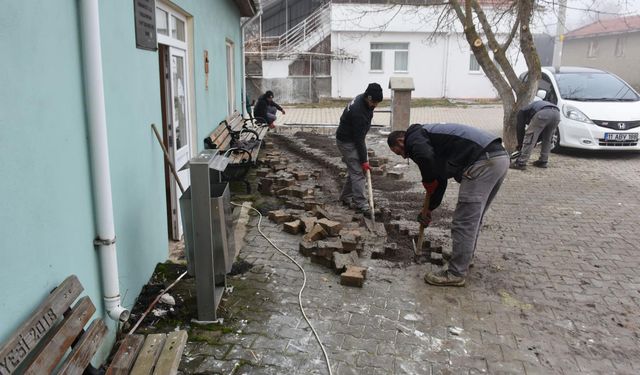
(145,20)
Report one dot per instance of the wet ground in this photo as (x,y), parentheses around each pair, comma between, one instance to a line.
(555,287)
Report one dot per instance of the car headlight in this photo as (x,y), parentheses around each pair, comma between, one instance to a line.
(574,113)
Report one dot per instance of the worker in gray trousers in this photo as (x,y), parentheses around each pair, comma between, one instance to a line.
(355,123)
(474,158)
(543,118)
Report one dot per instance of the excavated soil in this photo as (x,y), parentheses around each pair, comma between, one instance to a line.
(395,205)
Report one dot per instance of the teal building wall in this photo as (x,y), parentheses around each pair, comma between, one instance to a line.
(46,204)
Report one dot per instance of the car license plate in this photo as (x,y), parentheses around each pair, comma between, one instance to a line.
(621,136)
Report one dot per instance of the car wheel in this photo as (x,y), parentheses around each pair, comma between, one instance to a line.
(555,141)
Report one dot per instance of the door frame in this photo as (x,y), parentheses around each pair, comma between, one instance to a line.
(167,47)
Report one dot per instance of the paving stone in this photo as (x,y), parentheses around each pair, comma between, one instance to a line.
(308,222)
(377,171)
(333,228)
(307,248)
(317,233)
(279,216)
(395,175)
(328,247)
(300,176)
(341,261)
(353,276)
(293,227)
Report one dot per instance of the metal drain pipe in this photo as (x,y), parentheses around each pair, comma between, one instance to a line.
(99,152)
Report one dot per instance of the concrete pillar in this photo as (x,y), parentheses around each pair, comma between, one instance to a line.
(401,88)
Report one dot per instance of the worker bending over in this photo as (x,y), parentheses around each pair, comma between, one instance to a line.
(474,158)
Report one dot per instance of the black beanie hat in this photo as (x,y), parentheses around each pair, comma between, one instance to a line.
(374,91)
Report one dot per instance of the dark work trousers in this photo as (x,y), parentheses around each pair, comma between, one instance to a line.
(480,184)
(354,186)
(271,114)
(544,123)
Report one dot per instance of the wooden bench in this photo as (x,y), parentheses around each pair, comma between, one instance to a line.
(240,140)
(41,344)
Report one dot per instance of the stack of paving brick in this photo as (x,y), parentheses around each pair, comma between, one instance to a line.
(291,185)
(379,166)
(326,240)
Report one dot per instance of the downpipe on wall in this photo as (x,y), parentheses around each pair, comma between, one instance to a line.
(99,152)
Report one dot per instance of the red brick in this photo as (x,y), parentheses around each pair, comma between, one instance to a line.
(293,227)
(316,233)
(279,216)
(332,227)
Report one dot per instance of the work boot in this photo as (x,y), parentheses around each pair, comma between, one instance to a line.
(444,278)
(540,164)
(346,203)
(518,166)
(365,211)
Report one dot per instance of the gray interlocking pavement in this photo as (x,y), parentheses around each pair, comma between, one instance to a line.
(555,287)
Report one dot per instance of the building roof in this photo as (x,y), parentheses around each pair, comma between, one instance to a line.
(247,7)
(616,25)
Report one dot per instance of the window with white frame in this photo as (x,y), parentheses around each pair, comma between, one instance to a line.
(592,51)
(474,67)
(620,46)
(376,61)
(400,56)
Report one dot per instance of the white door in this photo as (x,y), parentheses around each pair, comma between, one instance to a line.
(171,28)
(180,126)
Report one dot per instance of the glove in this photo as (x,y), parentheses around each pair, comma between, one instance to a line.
(365,166)
(430,187)
(424,219)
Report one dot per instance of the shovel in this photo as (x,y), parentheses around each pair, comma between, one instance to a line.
(372,226)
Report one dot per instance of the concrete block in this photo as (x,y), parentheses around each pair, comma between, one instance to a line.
(377,171)
(321,213)
(300,175)
(293,227)
(342,261)
(294,203)
(311,204)
(395,175)
(353,276)
(317,259)
(308,222)
(349,242)
(307,248)
(327,248)
(279,216)
(332,227)
(317,233)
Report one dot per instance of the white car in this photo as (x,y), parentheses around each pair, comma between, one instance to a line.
(599,111)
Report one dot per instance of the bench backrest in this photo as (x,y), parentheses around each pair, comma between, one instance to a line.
(221,137)
(41,342)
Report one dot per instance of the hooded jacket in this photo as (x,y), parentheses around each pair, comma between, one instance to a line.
(355,123)
(444,151)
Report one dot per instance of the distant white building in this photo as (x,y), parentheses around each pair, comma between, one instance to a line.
(341,46)
(392,41)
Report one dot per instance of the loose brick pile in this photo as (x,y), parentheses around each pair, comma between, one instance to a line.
(334,241)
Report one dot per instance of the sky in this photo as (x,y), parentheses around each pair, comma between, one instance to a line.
(583,12)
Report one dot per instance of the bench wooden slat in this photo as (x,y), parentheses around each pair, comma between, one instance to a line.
(49,357)
(149,354)
(81,355)
(169,360)
(126,355)
(29,334)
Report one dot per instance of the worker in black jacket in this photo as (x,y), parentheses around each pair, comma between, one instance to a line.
(265,109)
(543,118)
(474,158)
(355,123)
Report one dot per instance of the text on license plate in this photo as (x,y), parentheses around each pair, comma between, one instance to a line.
(621,136)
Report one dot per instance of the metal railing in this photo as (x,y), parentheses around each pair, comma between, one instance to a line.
(310,31)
